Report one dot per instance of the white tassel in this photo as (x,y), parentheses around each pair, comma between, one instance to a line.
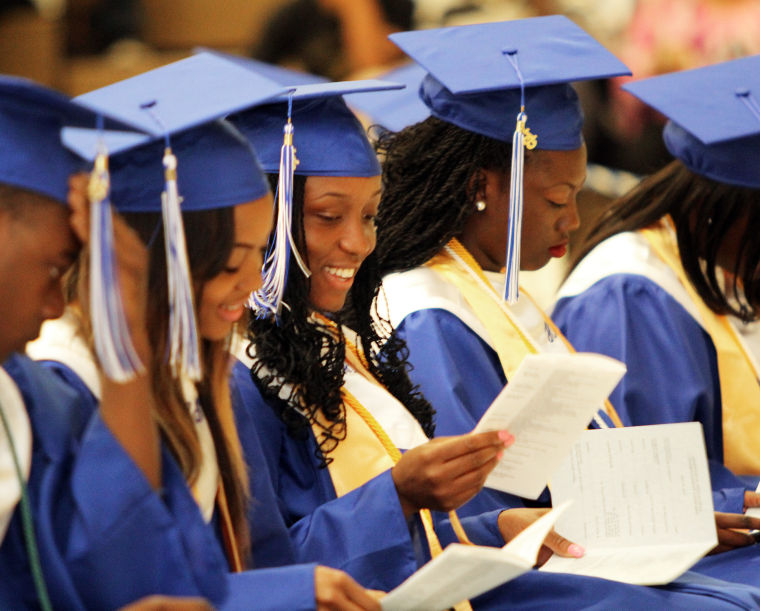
(521,139)
(268,300)
(183,348)
(113,343)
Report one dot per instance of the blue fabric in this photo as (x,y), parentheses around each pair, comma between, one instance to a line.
(323,528)
(136,542)
(714,113)
(100,550)
(365,534)
(634,320)
(31,155)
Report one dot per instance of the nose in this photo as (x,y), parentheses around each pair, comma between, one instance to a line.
(358,238)
(570,220)
(249,278)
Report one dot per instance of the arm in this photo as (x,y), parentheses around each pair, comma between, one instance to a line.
(126,408)
(672,368)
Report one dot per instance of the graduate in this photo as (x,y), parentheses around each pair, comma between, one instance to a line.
(331,415)
(667,280)
(175,419)
(42,434)
(444,288)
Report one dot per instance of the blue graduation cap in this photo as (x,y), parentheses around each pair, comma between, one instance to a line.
(714,118)
(394,109)
(480,76)
(31,155)
(278,74)
(328,140)
(188,158)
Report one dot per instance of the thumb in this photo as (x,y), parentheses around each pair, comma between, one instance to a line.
(563,547)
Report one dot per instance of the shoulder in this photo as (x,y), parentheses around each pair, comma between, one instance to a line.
(51,405)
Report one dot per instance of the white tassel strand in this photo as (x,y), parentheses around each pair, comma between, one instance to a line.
(113,343)
(183,348)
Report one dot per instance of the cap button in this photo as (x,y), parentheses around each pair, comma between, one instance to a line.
(148,104)
(742,92)
(509,51)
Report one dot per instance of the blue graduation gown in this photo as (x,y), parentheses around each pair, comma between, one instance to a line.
(97,550)
(364,532)
(108,545)
(631,318)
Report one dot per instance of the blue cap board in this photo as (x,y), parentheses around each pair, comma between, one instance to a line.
(283,76)
(310,132)
(31,155)
(714,118)
(398,108)
(509,81)
(328,138)
(476,73)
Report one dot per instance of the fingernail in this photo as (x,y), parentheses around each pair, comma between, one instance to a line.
(576,551)
(505,436)
(500,454)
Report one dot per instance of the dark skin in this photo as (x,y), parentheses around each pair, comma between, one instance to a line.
(445,472)
(552,182)
(551,185)
(127,408)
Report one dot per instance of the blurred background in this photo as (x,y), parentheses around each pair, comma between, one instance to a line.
(79,45)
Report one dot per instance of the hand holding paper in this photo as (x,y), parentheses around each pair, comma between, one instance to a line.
(465,571)
(546,406)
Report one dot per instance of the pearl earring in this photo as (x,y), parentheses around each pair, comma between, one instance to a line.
(480,205)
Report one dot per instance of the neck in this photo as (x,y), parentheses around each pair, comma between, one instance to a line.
(480,256)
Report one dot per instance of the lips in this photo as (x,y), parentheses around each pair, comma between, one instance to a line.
(340,273)
(558,250)
(231,313)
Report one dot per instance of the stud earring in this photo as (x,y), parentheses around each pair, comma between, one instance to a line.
(480,205)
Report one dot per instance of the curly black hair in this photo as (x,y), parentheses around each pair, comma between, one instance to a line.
(307,357)
(431,178)
(704,212)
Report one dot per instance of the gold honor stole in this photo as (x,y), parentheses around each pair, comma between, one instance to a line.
(511,343)
(739,386)
(367,451)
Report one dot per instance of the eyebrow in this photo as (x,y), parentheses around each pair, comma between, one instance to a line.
(243,245)
(344,195)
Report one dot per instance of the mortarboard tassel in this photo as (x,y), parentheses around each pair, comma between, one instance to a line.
(268,300)
(183,348)
(184,351)
(521,139)
(113,343)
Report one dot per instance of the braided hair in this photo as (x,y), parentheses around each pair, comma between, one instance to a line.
(299,362)
(431,178)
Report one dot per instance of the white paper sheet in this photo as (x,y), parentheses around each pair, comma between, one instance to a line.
(546,406)
(642,503)
(464,571)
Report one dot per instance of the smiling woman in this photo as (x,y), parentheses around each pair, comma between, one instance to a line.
(339,225)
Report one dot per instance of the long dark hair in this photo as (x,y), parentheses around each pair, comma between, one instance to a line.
(431,178)
(308,357)
(210,235)
(704,212)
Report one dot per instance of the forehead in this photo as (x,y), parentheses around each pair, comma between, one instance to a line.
(549,168)
(343,186)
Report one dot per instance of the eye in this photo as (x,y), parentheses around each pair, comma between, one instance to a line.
(554,204)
